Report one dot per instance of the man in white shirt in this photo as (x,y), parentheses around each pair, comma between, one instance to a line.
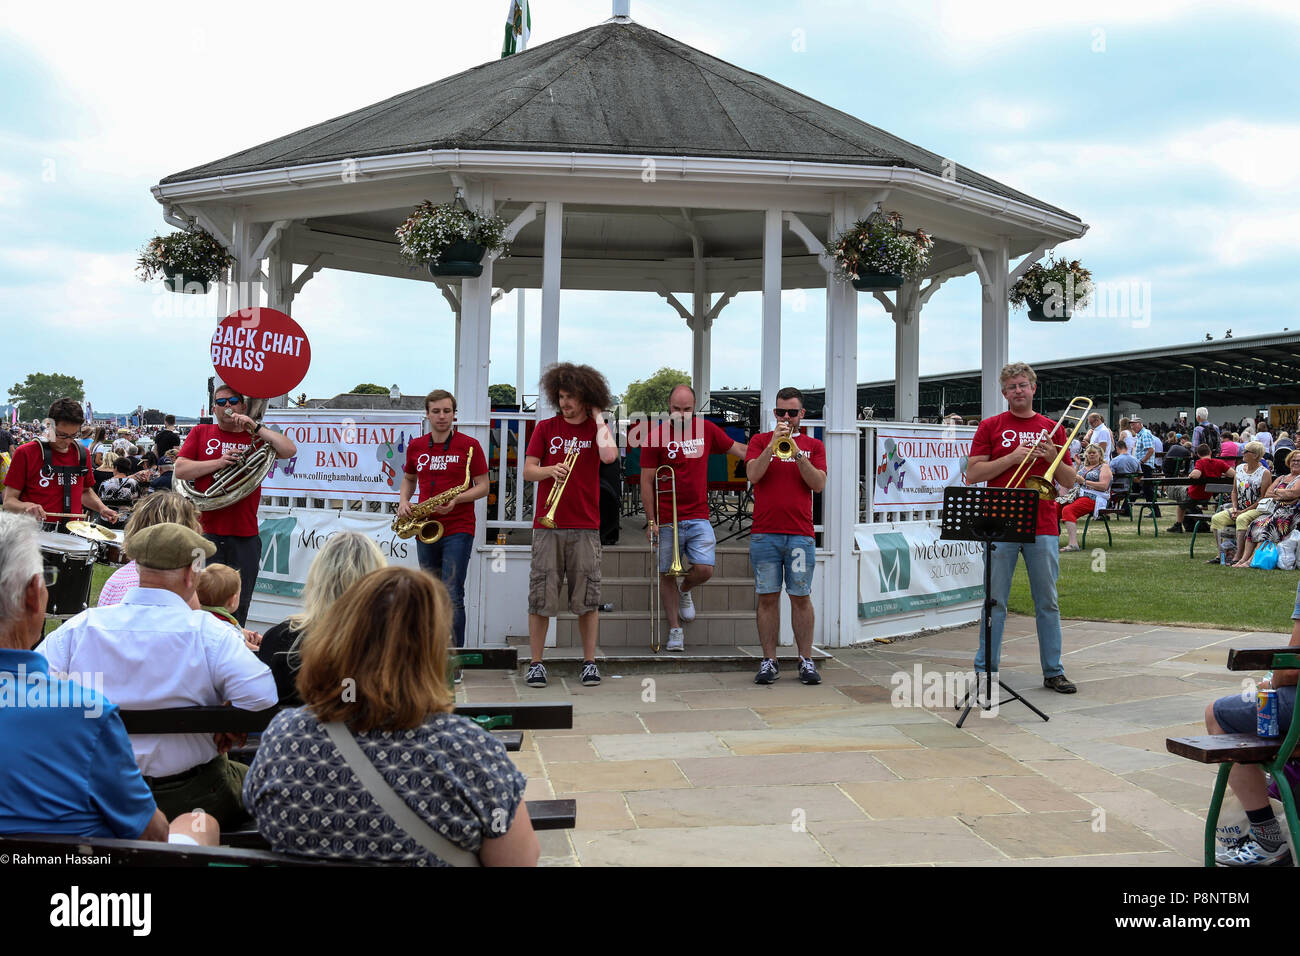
(155,652)
(1099,434)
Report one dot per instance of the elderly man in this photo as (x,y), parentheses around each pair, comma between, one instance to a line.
(155,652)
(1144,450)
(66,764)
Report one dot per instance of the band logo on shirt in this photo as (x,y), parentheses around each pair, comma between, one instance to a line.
(1011,438)
(47,479)
(216,447)
(689,448)
(427,462)
(559,446)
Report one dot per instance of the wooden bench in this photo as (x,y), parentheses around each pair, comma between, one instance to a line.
(1217,489)
(1115,505)
(1228,749)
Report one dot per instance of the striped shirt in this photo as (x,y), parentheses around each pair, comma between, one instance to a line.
(1142,441)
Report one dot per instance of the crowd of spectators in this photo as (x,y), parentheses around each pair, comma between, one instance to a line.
(161,636)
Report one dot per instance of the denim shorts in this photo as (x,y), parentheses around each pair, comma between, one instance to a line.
(789,556)
(695,539)
(1237,716)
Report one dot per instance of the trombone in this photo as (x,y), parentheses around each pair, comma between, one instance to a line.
(1043,484)
(557,488)
(675,570)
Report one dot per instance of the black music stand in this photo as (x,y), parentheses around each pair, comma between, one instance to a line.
(988,515)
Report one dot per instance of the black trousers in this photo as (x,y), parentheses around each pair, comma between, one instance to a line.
(1148,489)
(244,555)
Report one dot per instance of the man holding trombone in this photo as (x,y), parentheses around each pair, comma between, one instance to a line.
(680,449)
(1001,446)
(564,456)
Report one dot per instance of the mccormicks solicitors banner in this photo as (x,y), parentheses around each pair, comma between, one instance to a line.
(910,568)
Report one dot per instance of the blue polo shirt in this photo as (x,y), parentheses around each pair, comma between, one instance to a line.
(66,764)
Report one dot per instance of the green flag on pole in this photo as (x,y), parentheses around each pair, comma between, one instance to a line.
(518,25)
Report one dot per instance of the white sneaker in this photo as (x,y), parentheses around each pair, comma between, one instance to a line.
(1248,852)
(685,606)
(676,639)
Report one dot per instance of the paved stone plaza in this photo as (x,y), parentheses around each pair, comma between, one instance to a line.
(718,770)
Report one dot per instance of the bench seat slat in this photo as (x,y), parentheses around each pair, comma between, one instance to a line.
(1224,748)
(1256,659)
(524,715)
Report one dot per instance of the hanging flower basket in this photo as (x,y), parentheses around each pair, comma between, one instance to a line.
(877,281)
(461,258)
(876,253)
(177,281)
(451,239)
(190,260)
(1052,292)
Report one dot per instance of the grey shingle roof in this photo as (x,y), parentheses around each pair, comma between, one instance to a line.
(614,88)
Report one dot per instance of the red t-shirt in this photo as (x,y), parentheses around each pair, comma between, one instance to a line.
(782,501)
(25,475)
(1209,468)
(579,506)
(689,459)
(999,435)
(209,442)
(438,466)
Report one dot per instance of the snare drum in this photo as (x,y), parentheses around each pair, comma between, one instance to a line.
(75,560)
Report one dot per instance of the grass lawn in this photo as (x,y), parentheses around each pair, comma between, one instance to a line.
(1153,580)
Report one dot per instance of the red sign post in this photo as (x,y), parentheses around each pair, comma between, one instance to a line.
(261,353)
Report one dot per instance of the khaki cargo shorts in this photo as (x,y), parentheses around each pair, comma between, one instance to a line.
(564,554)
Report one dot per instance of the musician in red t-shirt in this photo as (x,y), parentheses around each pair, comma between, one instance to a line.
(781,542)
(437,463)
(66,486)
(1000,444)
(571,548)
(206,450)
(684,444)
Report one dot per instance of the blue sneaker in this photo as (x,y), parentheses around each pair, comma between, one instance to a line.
(768,671)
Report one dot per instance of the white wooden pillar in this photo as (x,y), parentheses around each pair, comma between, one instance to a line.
(907,352)
(520,340)
(994,330)
(279,294)
(770,348)
(472,403)
(550,331)
(837,618)
(701,330)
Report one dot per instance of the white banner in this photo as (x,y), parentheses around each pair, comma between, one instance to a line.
(292,537)
(913,466)
(353,455)
(910,568)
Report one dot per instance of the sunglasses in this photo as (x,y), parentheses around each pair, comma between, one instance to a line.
(783,412)
(223,402)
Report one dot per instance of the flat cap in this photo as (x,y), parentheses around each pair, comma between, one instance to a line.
(167,546)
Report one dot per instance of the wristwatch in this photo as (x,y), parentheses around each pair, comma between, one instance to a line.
(800,456)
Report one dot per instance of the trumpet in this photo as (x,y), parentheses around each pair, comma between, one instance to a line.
(557,489)
(785,448)
(1043,484)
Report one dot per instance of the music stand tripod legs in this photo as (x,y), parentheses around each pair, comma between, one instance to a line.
(989,515)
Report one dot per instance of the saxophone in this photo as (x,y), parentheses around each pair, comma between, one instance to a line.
(421,522)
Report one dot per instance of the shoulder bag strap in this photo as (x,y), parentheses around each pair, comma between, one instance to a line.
(392,804)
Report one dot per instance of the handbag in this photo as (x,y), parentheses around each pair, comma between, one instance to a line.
(406,818)
(1265,506)
(1265,556)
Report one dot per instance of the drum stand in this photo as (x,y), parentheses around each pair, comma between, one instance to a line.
(989,515)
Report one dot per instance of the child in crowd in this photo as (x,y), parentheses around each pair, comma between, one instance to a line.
(218,590)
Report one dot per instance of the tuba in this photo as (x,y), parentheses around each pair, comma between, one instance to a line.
(237,480)
(421,521)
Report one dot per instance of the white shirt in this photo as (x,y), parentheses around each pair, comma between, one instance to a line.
(1265,439)
(1100,435)
(153,652)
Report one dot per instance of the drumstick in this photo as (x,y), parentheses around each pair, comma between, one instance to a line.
(56,514)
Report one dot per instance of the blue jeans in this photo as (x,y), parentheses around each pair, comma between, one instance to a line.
(774,557)
(1043,562)
(448,559)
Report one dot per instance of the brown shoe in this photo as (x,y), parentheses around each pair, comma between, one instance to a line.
(1060,684)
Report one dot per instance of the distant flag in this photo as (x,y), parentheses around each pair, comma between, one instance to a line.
(519,23)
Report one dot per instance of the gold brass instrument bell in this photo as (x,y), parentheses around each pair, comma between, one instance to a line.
(557,489)
(676,569)
(785,448)
(1043,484)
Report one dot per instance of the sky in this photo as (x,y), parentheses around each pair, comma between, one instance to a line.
(1171,128)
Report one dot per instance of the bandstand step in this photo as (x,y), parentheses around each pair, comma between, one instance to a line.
(565,661)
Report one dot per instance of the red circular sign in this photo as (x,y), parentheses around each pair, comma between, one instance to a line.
(261,353)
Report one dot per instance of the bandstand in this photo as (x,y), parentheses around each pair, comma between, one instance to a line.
(624,160)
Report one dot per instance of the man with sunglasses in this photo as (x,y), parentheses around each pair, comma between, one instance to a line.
(781,542)
(206,450)
(53,475)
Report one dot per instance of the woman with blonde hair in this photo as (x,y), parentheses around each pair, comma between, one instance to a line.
(159,508)
(1249,485)
(376,733)
(345,559)
(1094,493)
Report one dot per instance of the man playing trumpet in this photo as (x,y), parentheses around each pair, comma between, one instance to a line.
(1000,445)
(683,444)
(564,456)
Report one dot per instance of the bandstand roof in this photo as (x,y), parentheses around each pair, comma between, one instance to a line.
(618,87)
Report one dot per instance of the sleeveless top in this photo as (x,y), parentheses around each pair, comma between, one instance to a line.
(1248,484)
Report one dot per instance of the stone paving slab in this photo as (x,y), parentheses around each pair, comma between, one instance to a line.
(713,769)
